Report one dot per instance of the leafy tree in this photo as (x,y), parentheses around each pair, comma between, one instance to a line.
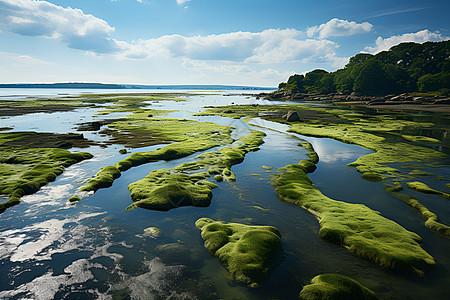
(407,67)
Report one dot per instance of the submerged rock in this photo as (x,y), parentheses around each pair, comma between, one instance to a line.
(152,232)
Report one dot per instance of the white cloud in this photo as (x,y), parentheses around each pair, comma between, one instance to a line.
(180,2)
(74,28)
(337,27)
(268,46)
(23,59)
(418,37)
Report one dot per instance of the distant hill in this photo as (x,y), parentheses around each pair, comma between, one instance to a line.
(407,67)
(67,85)
(81,85)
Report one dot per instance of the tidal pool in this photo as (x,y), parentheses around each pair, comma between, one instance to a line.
(52,249)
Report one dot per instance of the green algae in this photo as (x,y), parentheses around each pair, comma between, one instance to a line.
(103,179)
(248,252)
(431,219)
(423,188)
(166,189)
(379,133)
(368,131)
(163,190)
(218,178)
(420,173)
(359,229)
(423,139)
(74,199)
(189,137)
(152,232)
(335,287)
(26,170)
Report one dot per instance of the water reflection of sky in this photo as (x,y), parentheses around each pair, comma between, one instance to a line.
(330,151)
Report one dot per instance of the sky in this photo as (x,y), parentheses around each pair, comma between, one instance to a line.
(232,42)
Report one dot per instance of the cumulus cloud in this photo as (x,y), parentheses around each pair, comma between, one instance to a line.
(180,2)
(74,28)
(268,46)
(418,37)
(337,27)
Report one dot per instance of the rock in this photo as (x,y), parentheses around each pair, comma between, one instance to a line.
(442,101)
(152,232)
(291,116)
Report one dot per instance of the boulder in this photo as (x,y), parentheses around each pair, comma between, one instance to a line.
(291,116)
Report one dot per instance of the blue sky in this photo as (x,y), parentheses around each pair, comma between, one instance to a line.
(245,42)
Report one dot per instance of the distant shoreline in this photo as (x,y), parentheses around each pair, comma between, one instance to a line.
(81,85)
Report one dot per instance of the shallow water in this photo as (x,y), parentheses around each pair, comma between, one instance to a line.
(95,249)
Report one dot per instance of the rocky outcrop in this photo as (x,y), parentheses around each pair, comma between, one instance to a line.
(291,116)
(282,95)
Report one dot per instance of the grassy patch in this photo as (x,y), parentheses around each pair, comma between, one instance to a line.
(25,170)
(423,188)
(190,137)
(359,229)
(431,219)
(378,132)
(248,252)
(166,189)
(163,190)
(334,286)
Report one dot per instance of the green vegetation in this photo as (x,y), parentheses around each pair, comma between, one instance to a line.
(166,189)
(248,252)
(423,188)
(380,133)
(190,137)
(420,173)
(408,67)
(425,139)
(74,199)
(24,170)
(102,179)
(132,102)
(431,219)
(335,287)
(163,190)
(359,229)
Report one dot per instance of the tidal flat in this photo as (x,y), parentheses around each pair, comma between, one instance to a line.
(345,201)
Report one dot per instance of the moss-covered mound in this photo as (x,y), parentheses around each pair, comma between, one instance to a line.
(384,134)
(423,188)
(220,162)
(103,179)
(166,189)
(335,287)
(248,252)
(190,137)
(431,219)
(163,190)
(23,171)
(355,226)
(380,133)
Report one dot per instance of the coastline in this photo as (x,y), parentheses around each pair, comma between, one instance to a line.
(402,102)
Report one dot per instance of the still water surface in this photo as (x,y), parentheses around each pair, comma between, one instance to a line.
(50,249)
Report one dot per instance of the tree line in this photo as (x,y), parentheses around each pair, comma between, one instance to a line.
(407,67)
